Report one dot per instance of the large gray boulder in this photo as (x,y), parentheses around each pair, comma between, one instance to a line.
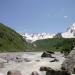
(50,71)
(44,68)
(47,54)
(69,63)
(57,72)
(14,72)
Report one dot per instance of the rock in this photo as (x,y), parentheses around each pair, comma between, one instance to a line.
(57,72)
(14,72)
(27,60)
(63,68)
(37,60)
(35,73)
(51,52)
(50,71)
(1,65)
(1,73)
(69,62)
(19,59)
(73,70)
(43,68)
(46,54)
(55,60)
(2,62)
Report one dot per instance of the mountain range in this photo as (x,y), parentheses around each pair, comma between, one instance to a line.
(70,33)
(12,41)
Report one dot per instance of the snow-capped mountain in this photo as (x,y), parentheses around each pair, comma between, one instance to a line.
(37,36)
(70,33)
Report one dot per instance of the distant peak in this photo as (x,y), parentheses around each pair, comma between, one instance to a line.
(73,24)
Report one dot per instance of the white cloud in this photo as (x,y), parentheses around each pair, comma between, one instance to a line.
(65,17)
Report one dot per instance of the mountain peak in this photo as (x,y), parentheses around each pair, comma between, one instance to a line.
(70,33)
(73,24)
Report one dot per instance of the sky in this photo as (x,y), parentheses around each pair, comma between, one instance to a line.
(37,16)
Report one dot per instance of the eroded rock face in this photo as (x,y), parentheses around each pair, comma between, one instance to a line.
(14,72)
(35,73)
(69,63)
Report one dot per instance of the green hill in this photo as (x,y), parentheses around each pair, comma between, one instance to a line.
(10,40)
(55,44)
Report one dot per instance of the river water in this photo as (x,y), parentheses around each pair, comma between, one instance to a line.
(34,62)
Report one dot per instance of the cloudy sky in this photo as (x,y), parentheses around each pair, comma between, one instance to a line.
(37,16)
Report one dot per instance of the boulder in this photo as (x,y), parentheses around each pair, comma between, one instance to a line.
(47,54)
(73,70)
(27,60)
(2,62)
(50,71)
(57,72)
(34,73)
(37,60)
(43,68)
(51,52)
(19,59)
(1,73)
(14,72)
(69,62)
(1,65)
(54,60)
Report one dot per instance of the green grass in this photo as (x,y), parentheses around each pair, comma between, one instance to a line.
(10,40)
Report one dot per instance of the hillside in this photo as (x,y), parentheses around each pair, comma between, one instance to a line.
(55,44)
(10,40)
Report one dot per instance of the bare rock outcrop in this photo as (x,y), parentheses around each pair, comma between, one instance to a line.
(69,63)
